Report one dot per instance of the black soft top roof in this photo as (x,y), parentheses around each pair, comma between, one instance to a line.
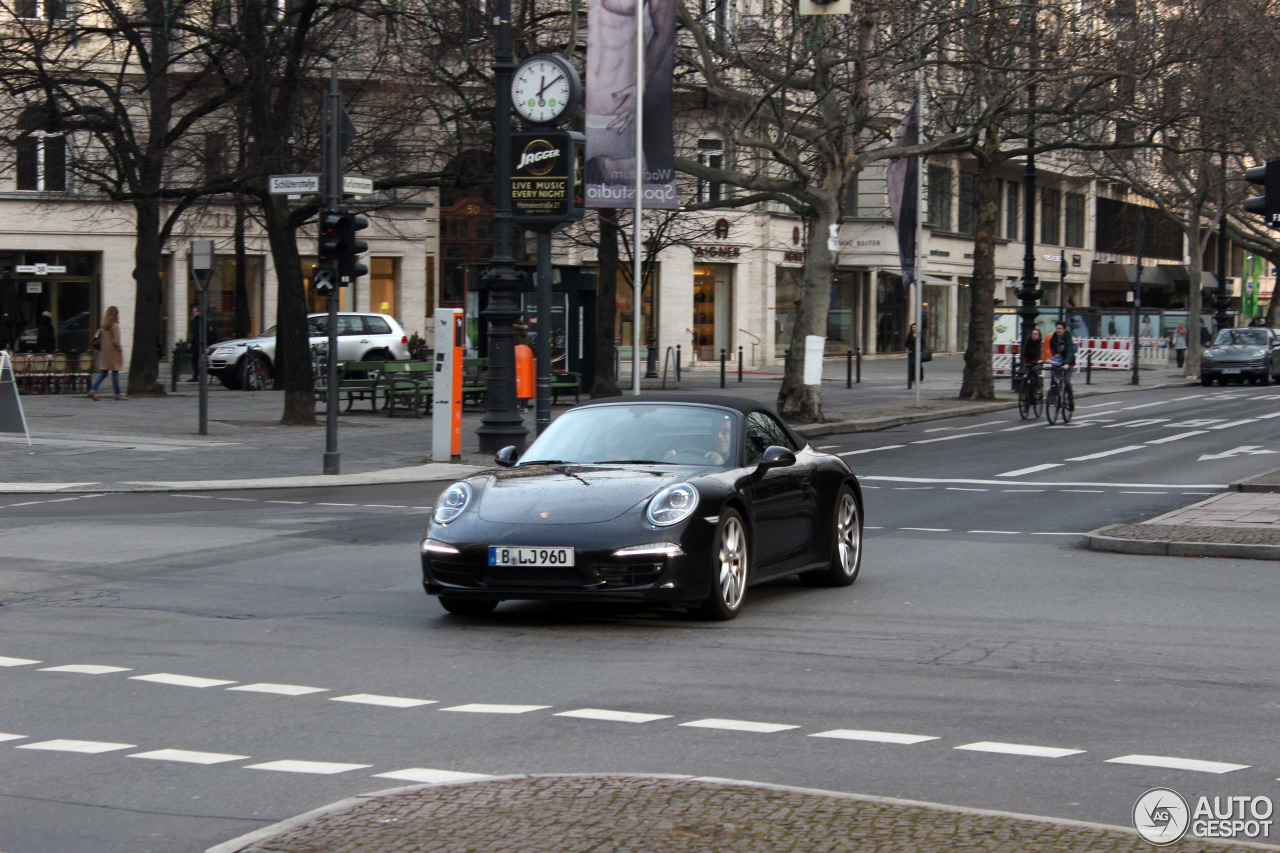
(743,405)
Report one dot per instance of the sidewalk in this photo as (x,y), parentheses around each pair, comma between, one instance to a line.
(672,814)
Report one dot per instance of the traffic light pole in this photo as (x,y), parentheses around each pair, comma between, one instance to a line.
(332,183)
(1029,293)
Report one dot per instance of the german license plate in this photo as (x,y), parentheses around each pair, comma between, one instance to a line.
(1226,370)
(506,555)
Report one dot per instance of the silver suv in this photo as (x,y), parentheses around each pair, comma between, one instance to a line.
(361,337)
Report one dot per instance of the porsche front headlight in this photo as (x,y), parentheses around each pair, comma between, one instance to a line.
(672,505)
(452,503)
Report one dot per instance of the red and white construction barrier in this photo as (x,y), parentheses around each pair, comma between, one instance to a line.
(1101,353)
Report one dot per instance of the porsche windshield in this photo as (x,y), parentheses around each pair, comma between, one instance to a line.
(1241,337)
(640,433)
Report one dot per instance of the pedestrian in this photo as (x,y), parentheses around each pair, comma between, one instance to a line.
(111,354)
(912,375)
(45,339)
(1146,331)
(196,334)
(1061,346)
(1205,337)
(1180,342)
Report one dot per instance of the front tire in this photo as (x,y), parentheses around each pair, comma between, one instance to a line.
(468,606)
(728,569)
(1051,405)
(1025,395)
(846,544)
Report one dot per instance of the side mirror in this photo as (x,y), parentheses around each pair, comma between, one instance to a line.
(507,457)
(776,456)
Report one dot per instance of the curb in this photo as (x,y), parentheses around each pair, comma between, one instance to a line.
(236,845)
(1098,540)
(416,474)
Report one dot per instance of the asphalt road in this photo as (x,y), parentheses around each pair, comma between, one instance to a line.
(982,659)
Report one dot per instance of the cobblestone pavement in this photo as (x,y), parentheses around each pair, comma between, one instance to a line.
(670,814)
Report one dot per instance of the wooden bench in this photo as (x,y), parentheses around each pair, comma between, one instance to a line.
(475,379)
(407,385)
(358,380)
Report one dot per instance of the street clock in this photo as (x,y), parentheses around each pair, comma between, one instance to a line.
(545,89)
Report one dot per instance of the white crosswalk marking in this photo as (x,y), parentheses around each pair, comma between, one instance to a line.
(187,756)
(89,747)
(1020,749)
(279,689)
(85,669)
(481,708)
(17,661)
(874,737)
(1172,763)
(323,768)
(612,716)
(429,776)
(384,701)
(739,726)
(180,680)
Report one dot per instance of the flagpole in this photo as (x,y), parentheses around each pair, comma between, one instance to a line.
(919,261)
(637,280)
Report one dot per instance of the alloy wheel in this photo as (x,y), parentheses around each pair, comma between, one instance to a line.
(733,563)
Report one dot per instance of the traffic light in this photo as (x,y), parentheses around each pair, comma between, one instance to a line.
(349,266)
(324,276)
(1268,204)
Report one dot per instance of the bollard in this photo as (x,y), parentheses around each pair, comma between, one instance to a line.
(739,364)
(173,371)
(1088,368)
(722,367)
(677,364)
(859,365)
(848,368)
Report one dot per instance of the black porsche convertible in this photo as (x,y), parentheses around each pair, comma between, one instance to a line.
(682,499)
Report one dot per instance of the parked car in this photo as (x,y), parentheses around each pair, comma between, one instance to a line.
(361,337)
(1239,354)
(669,499)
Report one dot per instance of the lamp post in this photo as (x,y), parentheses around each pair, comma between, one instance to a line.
(1029,293)
(1137,302)
(1221,301)
(502,425)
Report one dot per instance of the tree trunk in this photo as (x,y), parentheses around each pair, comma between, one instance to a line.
(978,382)
(797,402)
(293,353)
(144,361)
(606,383)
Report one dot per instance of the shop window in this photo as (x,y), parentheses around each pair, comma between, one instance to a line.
(40,151)
(711,155)
(234,302)
(1012,220)
(939,197)
(1050,216)
(1074,220)
(967,203)
(48,10)
(382,286)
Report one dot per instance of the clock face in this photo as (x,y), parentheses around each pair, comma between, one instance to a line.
(543,89)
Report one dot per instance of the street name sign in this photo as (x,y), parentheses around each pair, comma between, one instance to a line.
(292,184)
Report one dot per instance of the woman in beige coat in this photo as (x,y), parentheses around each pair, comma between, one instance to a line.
(111,355)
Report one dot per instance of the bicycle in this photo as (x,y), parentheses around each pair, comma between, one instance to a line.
(254,373)
(1030,392)
(1056,402)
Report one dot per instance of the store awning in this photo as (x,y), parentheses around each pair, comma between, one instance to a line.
(1105,276)
(1181,277)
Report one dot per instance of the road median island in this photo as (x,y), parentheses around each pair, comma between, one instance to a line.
(657,814)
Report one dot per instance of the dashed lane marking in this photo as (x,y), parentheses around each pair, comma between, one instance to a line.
(187,756)
(279,689)
(963,489)
(6,736)
(429,776)
(612,716)
(89,747)
(301,503)
(482,708)
(950,437)
(331,504)
(1143,493)
(1234,423)
(1145,405)
(1034,469)
(1085,491)
(1177,437)
(871,450)
(1021,491)
(1022,426)
(1171,763)
(1001,532)
(739,726)
(323,768)
(1106,453)
(384,701)
(1019,749)
(17,661)
(85,669)
(928,529)
(180,680)
(875,737)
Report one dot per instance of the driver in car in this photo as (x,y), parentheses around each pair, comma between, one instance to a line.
(721,440)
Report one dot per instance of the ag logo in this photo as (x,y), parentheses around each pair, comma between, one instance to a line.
(1161,816)
(539,157)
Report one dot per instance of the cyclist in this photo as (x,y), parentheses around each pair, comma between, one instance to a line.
(1062,347)
(1032,357)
